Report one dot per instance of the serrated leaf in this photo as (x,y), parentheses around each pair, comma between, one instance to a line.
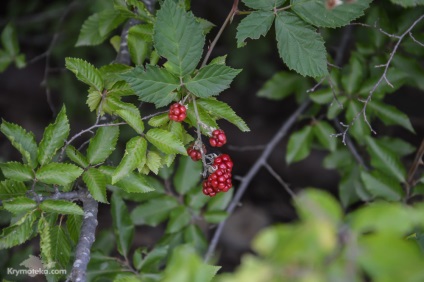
(10,189)
(253,26)
(154,85)
(131,115)
(19,205)
(132,183)
(283,84)
(134,153)
(315,12)
(153,161)
(75,156)
(19,232)
(96,184)
(58,173)
(97,27)
(382,186)
(165,141)
(61,207)
(187,175)
(204,118)
(17,171)
(85,72)
(122,225)
(384,159)
(263,4)
(324,131)
(9,40)
(300,46)
(399,146)
(102,144)
(222,110)
(22,140)
(154,211)
(73,224)
(299,145)
(390,115)
(179,38)
(93,100)
(53,138)
(178,219)
(408,3)
(159,120)
(211,80)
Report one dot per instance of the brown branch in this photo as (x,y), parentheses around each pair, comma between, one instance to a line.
(418,160)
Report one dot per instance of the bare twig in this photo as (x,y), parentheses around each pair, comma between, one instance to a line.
(246,148)
(418,160)
(415,40)
(280,180)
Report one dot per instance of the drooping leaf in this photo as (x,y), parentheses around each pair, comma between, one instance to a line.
(154,85)
(165,141)
(75,156)
(154,211)
(61,207)
(253,26)
(263,4)
(187,175)
(58,173)
(179,38)
(382,186)
(135,151)
(17,171)
(131,183)
(122,225)
(131,115)
(9,40)
(53,138)
(85,72)
(300,46)
(222,110)
(390,115)
(93,100)
(323,132)
(10,189)
(73,224)
(22,140)
(315,12)
(19,205)
(96,184)
(153,161)
(102,144)
(299,145)
(19,232)
(178,219)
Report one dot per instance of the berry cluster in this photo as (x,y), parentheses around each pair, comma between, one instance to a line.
(194,152)
(177,112)
(218,138)
(220,179)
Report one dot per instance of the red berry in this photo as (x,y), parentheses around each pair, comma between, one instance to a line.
(177,112)
(218,138)
(220,179)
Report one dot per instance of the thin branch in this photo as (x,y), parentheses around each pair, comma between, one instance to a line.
(199,137)
(415,40)
(377,28)
(261,161)
(246,148)
(418,160)
(280,180)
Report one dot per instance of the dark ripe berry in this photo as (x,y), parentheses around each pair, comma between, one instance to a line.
(194,153)
(177,112)
(218,138)
(220,179)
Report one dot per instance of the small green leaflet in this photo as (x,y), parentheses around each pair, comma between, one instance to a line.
(408,3)
(17,171)
(131,114)
(22,140)
(135,151)
(19,205)
(300,46)
(123,226)
(253,26)
(390,115)
(85,72)
(263,4)
(153,85)
(61,207)
(179,38)
(299,145)
(153,161)
(131,183)
(10,189)
(382,186)
(165,141)
(102,144)
(53,138)
(215,216)
(211,80)
(19,232)
(315,12)
(178,219)
(323,131)
(222,110)
(58,173)
(75,156)
(159,120)
(96,184)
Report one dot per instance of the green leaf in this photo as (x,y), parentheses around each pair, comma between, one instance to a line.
(359,129)
(300,46)
(315,12)
(93,100)
(85,72)
(220,201)
(159,120)
(282,85)
(299,145)
(390,115)
(324,131)
(61,207)
(313,205)
(102,144)
(5,60)
(19,205)
(165,141)
(9,40)
(58,173)
(215,216)
(10,189)
(19,232)
(220,60)
(322,96)
(351,189)
(22,140)
(131,115)
(153,161)
(154,85)
(75,156)
(135,151)
(354,74)
(17,171)
(253,26)
(204,118)
(222,110)
(154,211)
(96,184)
(399,146)
(98,26)
(122,225)
(211,80)
(53,138)
(132,183)
(382,186)
(179,38)
(178,219)
(151,262)
(193,235)
(139,42)
(187,175)
(73,224)
(263,4)
(408,3)
(384,159)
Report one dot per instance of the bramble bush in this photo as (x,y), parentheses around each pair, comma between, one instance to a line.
(171,171)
